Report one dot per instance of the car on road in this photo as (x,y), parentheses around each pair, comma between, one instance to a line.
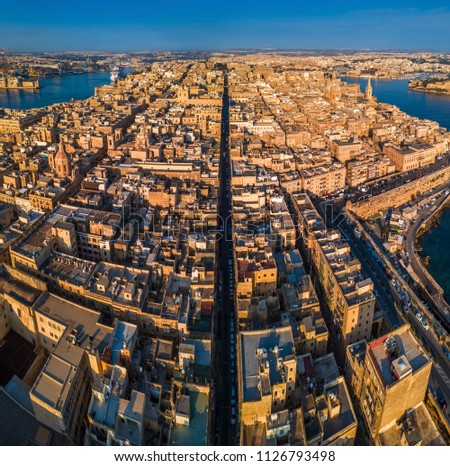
(425,324)
(441,399)
(233,416)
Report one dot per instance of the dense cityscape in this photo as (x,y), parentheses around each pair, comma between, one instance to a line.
(221,250)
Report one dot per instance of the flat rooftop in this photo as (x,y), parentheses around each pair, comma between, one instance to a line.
(85,321)
(35,242)
(399,350)
(124,335)
(337,393)
(68,268)
(415,428)
(195,434)
(264,340)
(326,369)
(53,383)
(122,284)
(18,290)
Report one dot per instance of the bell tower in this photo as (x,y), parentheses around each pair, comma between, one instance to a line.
(368,93)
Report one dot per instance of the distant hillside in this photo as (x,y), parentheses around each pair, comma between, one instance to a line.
(432,85)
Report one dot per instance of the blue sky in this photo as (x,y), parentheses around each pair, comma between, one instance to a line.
(67,25)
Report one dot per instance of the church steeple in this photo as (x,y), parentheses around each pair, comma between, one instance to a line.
(62,163)
(368,92)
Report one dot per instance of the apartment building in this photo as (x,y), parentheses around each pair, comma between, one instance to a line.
(323,180)
(60,396)
(361,171)
(348,294)
(393,379)
(415,155)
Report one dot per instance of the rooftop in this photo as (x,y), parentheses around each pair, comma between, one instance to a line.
(195,434)
(396,355)
(89,332)
(68,268)
(53,383)
(264,347)
(416,427)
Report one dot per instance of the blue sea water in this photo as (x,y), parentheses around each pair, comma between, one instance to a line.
(55,89)
(395,91)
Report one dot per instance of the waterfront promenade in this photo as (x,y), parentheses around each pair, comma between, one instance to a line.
(417,270)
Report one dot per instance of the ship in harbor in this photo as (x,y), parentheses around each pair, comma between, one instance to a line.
(17,82)
(117,72)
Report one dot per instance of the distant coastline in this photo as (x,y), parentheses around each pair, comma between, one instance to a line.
(431,85)
(18,83)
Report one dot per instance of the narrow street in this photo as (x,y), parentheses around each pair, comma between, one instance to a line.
(225,362)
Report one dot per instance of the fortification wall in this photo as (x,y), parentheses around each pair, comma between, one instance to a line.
(400,195)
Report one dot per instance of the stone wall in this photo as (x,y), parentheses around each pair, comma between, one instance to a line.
(400,195)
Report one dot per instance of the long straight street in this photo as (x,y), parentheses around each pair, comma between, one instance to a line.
(225,362)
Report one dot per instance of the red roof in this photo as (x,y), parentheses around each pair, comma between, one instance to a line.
(206,308)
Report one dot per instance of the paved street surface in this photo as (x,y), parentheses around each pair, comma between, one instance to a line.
(225,372)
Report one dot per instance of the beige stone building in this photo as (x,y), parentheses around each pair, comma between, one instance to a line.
(361,171)
(267,373)
(418,154)
(323,180)
(60,396)
(346,150)
(349,296)
(393,379)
